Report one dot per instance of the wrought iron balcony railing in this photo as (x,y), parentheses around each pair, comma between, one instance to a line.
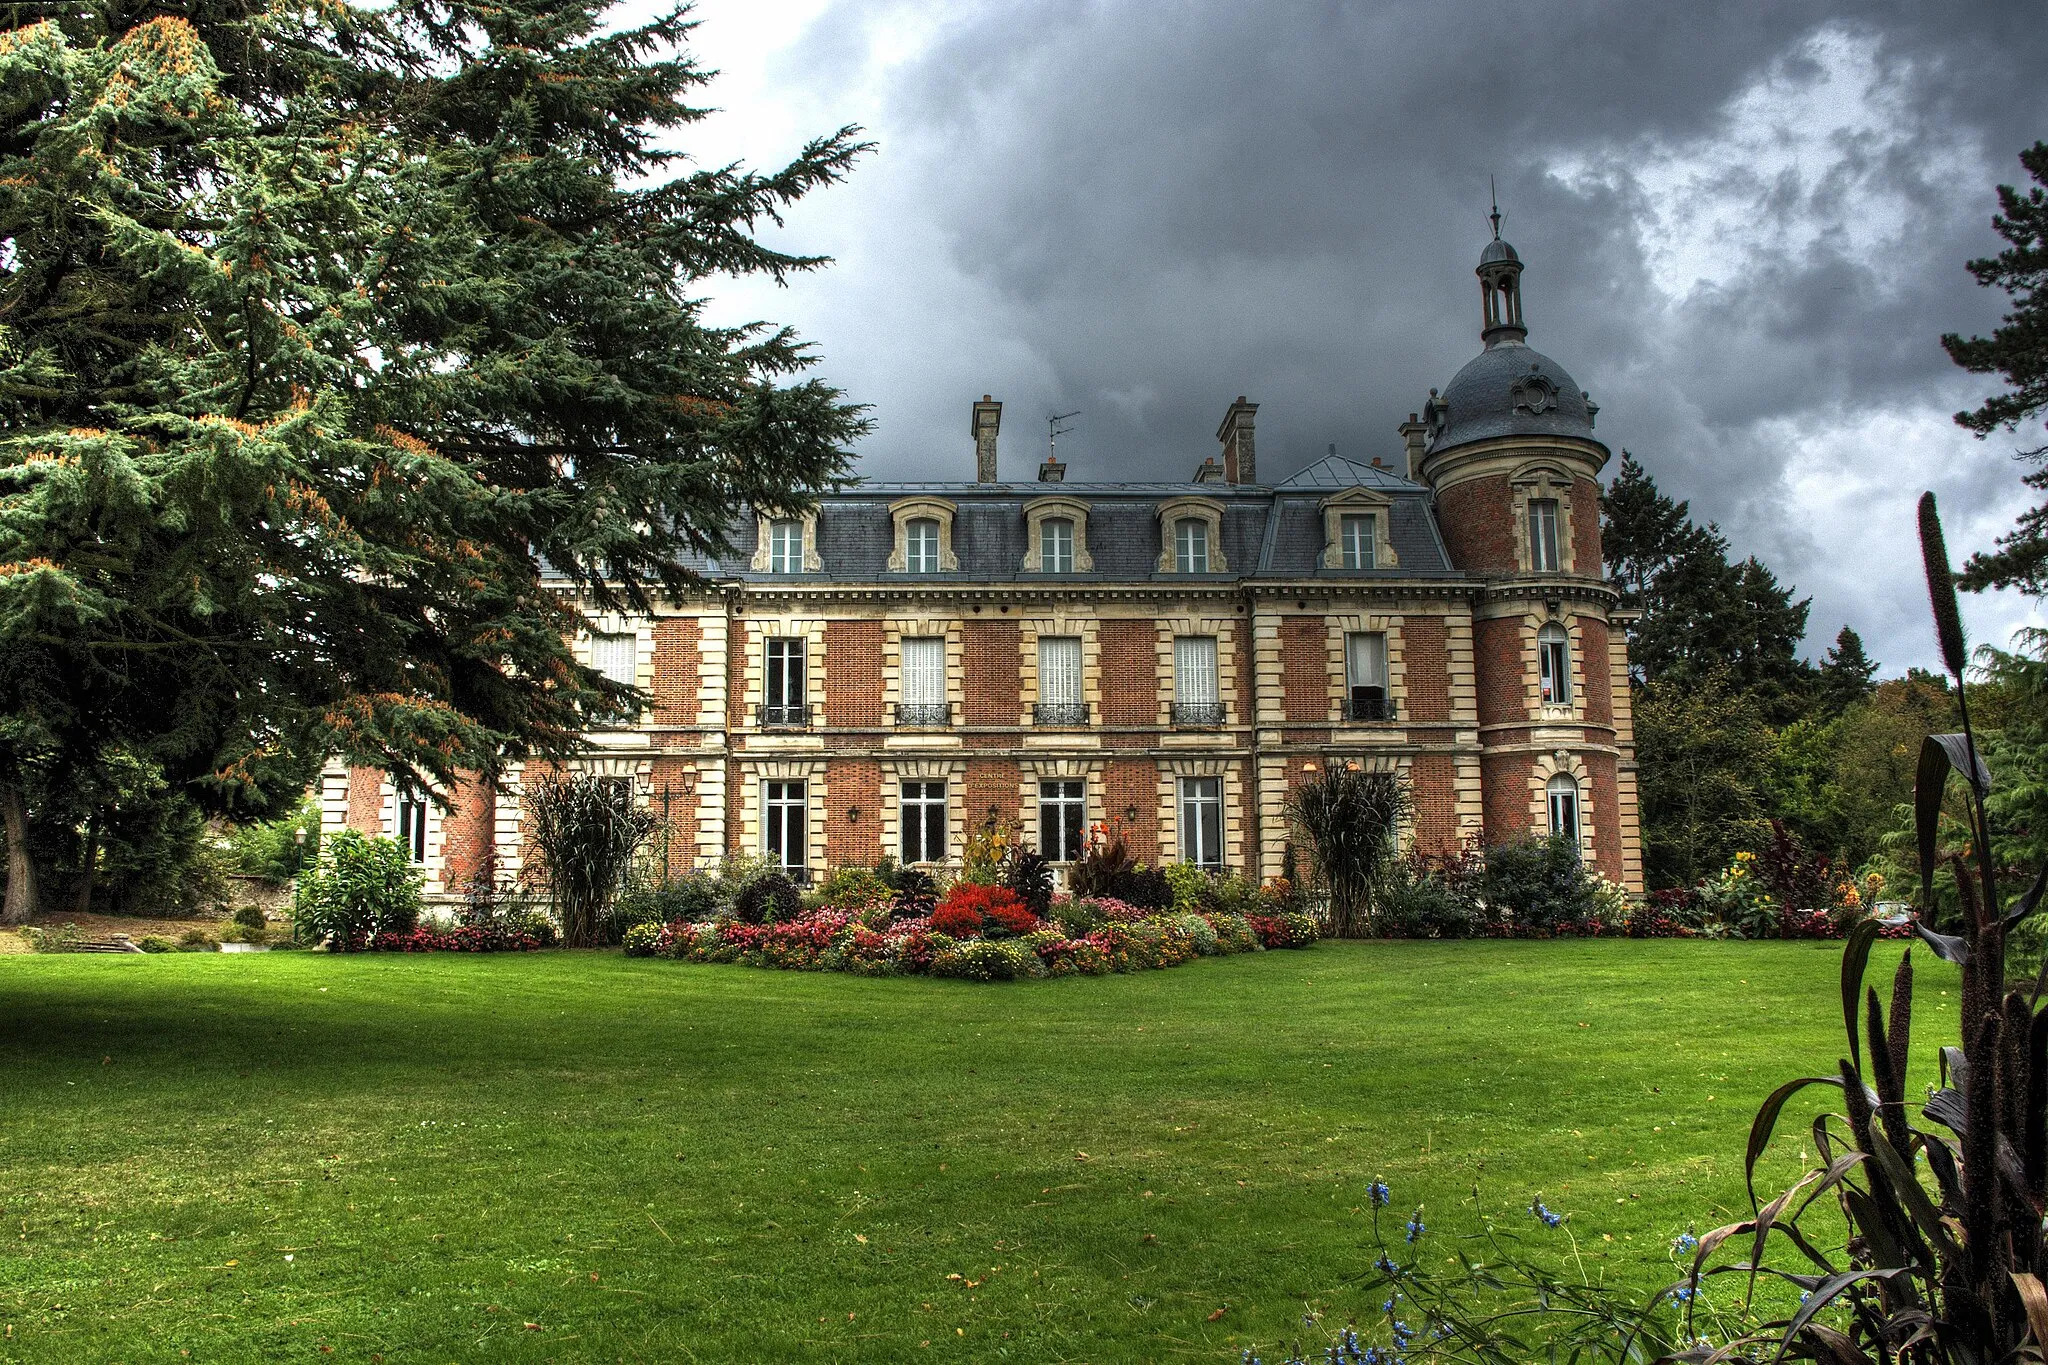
(1369,708)
(786,716)
(1199,714)
(924,715)
(1054,713)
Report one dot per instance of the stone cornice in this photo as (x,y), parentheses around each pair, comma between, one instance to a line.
(1506,454)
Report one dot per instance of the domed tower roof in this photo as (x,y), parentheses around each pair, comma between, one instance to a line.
(1508,389)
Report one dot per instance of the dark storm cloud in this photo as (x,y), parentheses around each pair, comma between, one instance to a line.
(1145,211)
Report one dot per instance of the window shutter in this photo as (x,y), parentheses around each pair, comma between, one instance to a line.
(1194,669)
(1059,671)
(924,671)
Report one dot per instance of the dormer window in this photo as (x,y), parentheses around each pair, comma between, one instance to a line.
(1357,535)
(921,545)
(1191,536)
(1190,546)
(785,546)
(1056,545)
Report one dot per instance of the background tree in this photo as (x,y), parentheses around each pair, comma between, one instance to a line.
(349,353)
(2018,351)
(1846,676)
(1705,756)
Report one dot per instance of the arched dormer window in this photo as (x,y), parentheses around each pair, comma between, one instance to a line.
(786,542)
(924,537)
(1056,536)
(1191,536)
(1563,795)
(1554,664)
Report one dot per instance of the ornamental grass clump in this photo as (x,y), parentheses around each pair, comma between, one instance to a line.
(585,831)
(1349,818)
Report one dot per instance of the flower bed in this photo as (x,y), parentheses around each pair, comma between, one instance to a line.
(996,939)
(468,938)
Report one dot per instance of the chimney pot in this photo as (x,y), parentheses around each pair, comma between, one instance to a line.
(988,419)
(1209,471)
(1052,471)
(1378,463)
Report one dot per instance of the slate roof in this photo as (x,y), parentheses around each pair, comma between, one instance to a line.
(1486,399)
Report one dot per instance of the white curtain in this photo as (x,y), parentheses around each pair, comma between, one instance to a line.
(924,671)
(1059,670)
(1367,659)
(612,655)
(1194,669)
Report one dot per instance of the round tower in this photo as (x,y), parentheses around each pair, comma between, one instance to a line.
(1509,450)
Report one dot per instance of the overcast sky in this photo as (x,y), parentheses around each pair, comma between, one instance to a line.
(1744,229)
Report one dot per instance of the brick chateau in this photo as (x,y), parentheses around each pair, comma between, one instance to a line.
(883,674)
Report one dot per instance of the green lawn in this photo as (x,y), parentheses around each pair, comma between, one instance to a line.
(231,1158)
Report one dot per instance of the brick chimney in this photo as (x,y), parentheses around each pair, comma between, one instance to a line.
(1413,434)
(1240,457)
(988,416)
(1208,471)
(1052,471)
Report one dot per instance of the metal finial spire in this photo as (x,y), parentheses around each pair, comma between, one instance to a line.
(1495,215)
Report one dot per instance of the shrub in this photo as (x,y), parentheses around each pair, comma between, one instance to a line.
(858,891)
(360,887)
(642,939)
(1146,887)
(1030,876)
(1234,934)
(1077,918)
(237,932)
(983,960)
(276,850)
(155,943)
(1285,931)
(1539,885)
(916,894)
(1201,933)
(1099,865)
(65,938)
(251,918)
(197,941)
(987,853)
(1189,885)
(970,909)
(1349,817)
(1430,896)
(767,899)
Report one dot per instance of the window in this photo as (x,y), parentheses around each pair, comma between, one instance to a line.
(923,813)
(1201,821)
(784,700)
(1195,698)
(1056,545)
(786,823)
(924,681)
(1554,663)
(1543,535)
(1564,806)
(921,545)
(412,824)
(1062,815)
(1358,536)
(785,547)
(615,656)
(1059,681)
(1191,545)
(1365,676)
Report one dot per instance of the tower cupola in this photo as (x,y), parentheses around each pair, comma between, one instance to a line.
(1500,290)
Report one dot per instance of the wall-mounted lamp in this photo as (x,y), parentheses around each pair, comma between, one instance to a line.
(995,813)
(1309,766)
(1131,814)
(853,815)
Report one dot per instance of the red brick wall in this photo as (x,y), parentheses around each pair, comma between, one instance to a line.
(1134,782)
(1606,815)
(1593,666)
(734,781)
(1586,527)
(739,707)
(1433,785)
(466,831)
(990,651)
(1247,681)
(990,782)
(853,782)
(1478,521)
(1506,810)
(1130,673)
(1503,670)
(366,800)
(853,674)
(676,642)
(1427,662)
(670,774)
(1305,667)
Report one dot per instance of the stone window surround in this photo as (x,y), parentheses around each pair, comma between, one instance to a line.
(1547,766)
(755,772)
(763,519)
(1224,629)
(1343,624)
(948,628)
(759,630)
(1171,771)
(908,510)
(897,771)
(1357,502)
(1039,510)
(1575,652)
(1089,771)
(1059,623)
(1543,480)
(1175,510)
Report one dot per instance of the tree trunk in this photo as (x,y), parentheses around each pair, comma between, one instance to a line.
(20,905)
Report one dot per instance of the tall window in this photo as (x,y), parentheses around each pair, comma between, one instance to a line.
(785,547)
(1543,535)
(412,824)
(1365,676)
(1056,545)
(1195,697)
(1554,663)
(1059,681)
(1201,821)
(923,816)
(921,545)
(784,699)
(1062,815)
(1356,537)
(1191,545)
(924,681)
(615,657)
(1564,806)
(786,823)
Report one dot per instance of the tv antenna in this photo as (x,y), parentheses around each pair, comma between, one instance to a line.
(1054,430)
